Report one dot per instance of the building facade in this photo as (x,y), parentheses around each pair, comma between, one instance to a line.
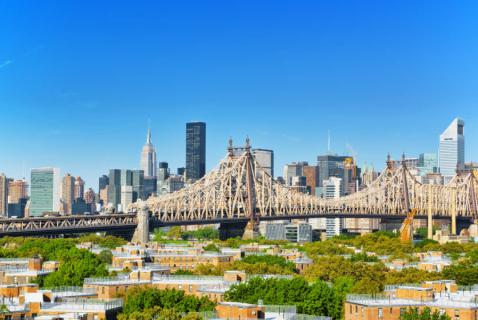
(67,193)
(44,191)
(195,150)
(452,149)
(148,157)
(17,189)
(3,195)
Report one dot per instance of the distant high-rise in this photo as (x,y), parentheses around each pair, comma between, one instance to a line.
(148,157)
(114,188)
(17,190)
(3,195)
(103,181)
(79,188)
(44,191)
(195,150)
(264,157)
(67,193)
(452,149)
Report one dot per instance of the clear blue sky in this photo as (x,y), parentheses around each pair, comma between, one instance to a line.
(79,79)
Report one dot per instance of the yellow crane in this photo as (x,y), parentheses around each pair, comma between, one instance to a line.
(406,230)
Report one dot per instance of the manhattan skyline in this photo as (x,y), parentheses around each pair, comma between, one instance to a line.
(77,89)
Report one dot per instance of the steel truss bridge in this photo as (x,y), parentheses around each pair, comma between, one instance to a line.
(240,190)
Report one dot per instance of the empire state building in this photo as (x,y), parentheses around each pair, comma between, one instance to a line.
(148,157)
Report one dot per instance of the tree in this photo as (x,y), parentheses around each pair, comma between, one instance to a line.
(105,256)
(139,299)
(174,232)
(211,247)
(465,273)
(425,314)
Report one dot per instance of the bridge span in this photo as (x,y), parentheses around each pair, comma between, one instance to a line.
(238,190)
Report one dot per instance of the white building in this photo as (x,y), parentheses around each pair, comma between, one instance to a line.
(333,190)
(452,149)
(148,157)
(126,197)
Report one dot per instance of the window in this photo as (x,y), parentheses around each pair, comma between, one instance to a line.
(402,311)
(457,314)
(380,312)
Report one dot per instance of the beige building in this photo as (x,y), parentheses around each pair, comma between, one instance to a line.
(67,193)
(3,195)
(79,189)
(17,190)
(441,296)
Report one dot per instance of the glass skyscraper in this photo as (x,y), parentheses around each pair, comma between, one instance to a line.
(452,149)
(195,150)
(44,191)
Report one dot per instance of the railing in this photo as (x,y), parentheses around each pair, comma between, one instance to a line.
(84,304)
(367,297)
(64,289)
(160,277)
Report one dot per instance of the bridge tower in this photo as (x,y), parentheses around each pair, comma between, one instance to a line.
(252,228)
(141,234)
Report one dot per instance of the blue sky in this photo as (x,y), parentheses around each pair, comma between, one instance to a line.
(80,79)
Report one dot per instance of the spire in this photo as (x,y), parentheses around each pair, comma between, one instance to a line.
(148,136)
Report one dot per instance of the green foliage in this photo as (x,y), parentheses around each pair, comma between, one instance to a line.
(109,242)
(168,304)
(183,272)
(329,247)
(201,234)
(105,256)
(317,298)
(465,273)
(368,278)
(174,233)
(410,275)
(212,247)
(269,259)
(75,267)
(425,314)
(363,257)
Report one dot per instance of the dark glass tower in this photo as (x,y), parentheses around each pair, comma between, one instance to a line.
(195,150)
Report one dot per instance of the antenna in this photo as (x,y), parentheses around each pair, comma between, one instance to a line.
(328,141)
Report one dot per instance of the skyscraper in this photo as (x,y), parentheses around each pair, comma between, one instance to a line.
(264,157)
(79,188)
(67,193)
(452,149)
(148,157)
(114,188)
(44,191)
(195,150)
(3,195)
(17,190)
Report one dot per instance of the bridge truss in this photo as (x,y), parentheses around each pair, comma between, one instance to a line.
(240,188)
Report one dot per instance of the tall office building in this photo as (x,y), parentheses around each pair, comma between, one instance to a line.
(103,181)
(44,191)
(137,182)
(264,157)
(333,190)
(67,193)
(452,149)
(148,157)
(79,188)
(3,195)
(195,150)
(17,189)
(311,174)
(114,188)
(427,163)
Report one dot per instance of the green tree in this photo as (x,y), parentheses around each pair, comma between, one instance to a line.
(211,247)
(105,256)
(425,314)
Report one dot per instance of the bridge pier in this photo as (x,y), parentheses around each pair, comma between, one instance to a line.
(141,234)
(232,229)
(430,216)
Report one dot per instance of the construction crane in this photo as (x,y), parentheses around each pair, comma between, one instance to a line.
(406,230)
